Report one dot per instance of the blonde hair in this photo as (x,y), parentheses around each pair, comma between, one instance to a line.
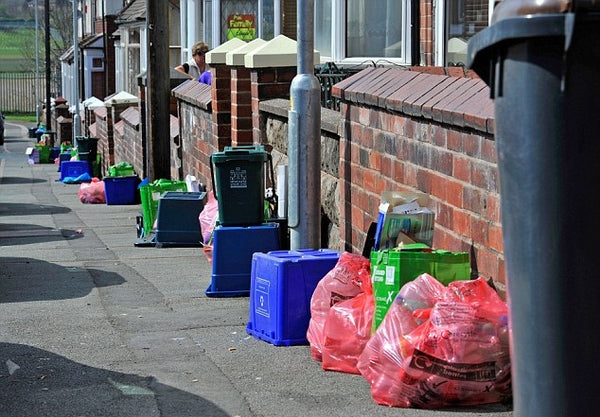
(199,47)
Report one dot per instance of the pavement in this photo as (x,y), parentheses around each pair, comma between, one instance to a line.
(91,325)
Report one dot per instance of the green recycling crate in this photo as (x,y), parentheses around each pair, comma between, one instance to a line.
(44,151)
(122,169)
(150,195)
(238,178)
(392,268)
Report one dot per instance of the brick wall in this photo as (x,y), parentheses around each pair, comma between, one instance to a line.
(241,107)
(266,84)
(128,142)
(428,130)
(221,105)
(103,128)
(196,141)
(431,133)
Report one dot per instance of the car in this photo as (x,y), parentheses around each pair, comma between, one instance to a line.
(1,128)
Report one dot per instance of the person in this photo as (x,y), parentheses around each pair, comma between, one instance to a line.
(196,67)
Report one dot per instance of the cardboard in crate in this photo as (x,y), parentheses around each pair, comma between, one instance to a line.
(233,247)
(282,284)
(177,221)
(392,268)
(121,190)
(404,217)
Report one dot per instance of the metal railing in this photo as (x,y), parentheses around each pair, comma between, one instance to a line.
(328,75)
(18,91)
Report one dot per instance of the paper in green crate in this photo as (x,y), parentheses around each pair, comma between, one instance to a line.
(150,195)
(122,169)
(392,268)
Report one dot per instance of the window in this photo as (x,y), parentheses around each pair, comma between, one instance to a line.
(462,20)
(323,18)
(374,28)
(353,31)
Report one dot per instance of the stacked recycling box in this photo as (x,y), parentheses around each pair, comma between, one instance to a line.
(120,187)
(238,178)
(150,195)
(281,287)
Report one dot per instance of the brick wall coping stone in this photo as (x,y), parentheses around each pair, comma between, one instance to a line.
(119,128)
(100,112)
(194,92)
(462,101)
(92,103)
(131,116)
(121,97)
(330,119)
(236,57)
(280,51)
(219,54)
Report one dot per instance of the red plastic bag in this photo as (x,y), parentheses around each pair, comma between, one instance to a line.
(343,282)
(458,356)
(208,217)
(347,330)
(92,192)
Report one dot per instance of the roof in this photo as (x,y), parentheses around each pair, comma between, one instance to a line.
(133,12)
(92,41)
(136,12)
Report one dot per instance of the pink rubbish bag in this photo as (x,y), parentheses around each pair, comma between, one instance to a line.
(208,217)
(343,282)
(347,330)
(92,192)
(459,355)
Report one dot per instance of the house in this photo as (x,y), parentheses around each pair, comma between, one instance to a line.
(351,33)
(96,54)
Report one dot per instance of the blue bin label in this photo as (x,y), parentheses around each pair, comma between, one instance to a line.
(261,297)
(238,178)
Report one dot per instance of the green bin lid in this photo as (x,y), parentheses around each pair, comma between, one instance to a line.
(240,153)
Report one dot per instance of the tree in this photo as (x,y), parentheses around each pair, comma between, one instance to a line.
(61,32)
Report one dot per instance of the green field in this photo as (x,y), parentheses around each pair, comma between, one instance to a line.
(15,45)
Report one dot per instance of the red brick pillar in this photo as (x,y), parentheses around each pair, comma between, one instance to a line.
(241,107)
(268,83)
(221,105)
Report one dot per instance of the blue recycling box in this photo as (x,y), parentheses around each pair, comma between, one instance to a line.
(233,247)
(281,288)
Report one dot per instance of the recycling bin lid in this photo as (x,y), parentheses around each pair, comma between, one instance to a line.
(515,20)
(512,8)
(235,153)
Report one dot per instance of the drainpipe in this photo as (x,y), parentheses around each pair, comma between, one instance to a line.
(76,130)
(48,63)
(304,140)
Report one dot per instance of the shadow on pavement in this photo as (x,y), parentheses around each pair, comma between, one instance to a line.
(29,209)
(27,279)
(35,382)
(20,180)
(12,234)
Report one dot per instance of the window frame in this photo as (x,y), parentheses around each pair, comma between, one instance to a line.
(339,38)
(441,29)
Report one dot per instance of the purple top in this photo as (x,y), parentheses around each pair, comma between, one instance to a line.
(205,77)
